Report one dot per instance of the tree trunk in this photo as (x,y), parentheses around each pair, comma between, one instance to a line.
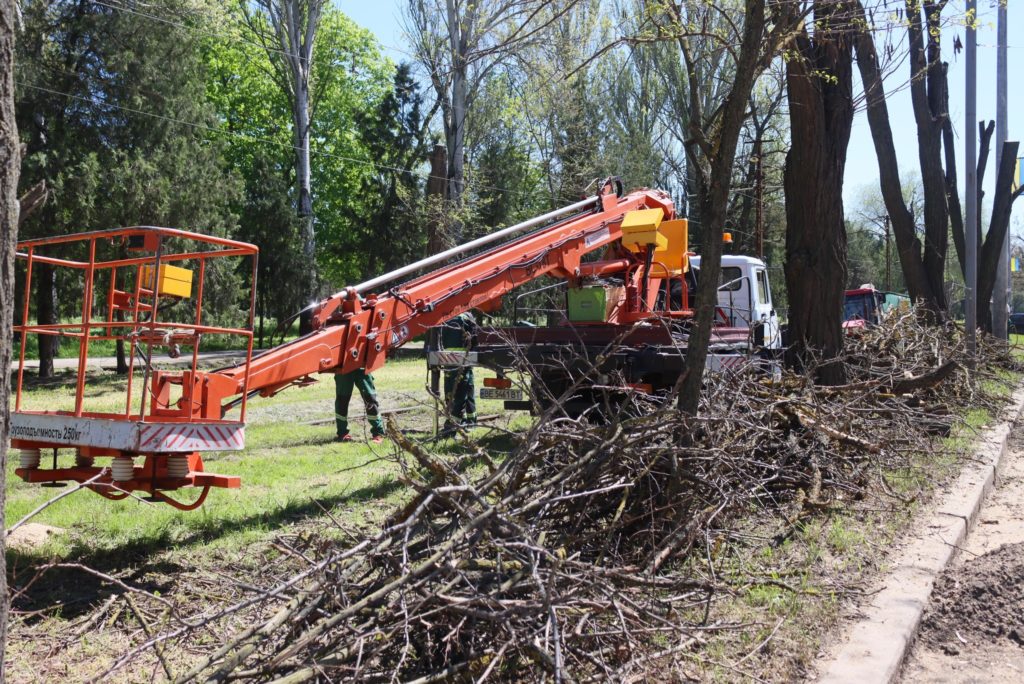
(437,241)
(819,82)
(303,179)
(302,169)
(991,252)
(262,306)
(923,265)
(714,179)
(988,251)
(457,139)
(956,213)
(459,25)
(294,24)
(46,314)
(122,360)
(10,161)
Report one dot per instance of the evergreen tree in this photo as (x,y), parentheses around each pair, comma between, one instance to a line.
(111,108)
(393,137)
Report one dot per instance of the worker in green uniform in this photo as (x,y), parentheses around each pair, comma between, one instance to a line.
(343,385)
(459,333)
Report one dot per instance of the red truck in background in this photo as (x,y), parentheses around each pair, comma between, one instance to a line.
(865,306)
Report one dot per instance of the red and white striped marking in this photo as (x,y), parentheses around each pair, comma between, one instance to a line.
(189,437)
(60,430)
(451,358)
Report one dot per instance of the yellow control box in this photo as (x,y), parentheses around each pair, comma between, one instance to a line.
(640,228)
(173,281)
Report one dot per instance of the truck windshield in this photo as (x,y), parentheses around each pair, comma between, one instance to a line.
(859,306)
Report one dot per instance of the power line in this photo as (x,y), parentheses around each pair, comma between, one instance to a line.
(255,139)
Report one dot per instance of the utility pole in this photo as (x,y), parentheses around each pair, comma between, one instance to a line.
(759,209)
(1001,293)
(888,263)
(971,168)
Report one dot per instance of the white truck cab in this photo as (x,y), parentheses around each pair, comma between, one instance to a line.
(745,297)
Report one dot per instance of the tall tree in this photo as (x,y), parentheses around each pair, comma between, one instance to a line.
(748,44)
(351,78)
(459,43)
(10,168)
(761,157)
(990,248)
(923,265)
(392,134)
(633,108)
(288,30)
(819,82)
(268,221)
(109,106)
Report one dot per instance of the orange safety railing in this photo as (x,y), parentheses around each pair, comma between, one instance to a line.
(130,293)
(143,326)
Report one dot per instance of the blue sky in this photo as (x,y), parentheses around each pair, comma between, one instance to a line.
(383,17)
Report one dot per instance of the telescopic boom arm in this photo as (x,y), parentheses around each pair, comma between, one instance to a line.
(357,327)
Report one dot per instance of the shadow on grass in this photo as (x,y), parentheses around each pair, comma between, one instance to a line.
(73,593)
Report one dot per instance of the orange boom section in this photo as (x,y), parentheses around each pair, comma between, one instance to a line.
(357,327)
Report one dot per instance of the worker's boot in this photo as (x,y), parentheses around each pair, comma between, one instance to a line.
(450,427)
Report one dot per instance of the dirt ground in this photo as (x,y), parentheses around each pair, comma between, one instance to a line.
(973,630)
(31,535)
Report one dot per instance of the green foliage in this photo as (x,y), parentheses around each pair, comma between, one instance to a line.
(380,230)
(506,184)
(268,220)
(349,83)
(111,109)
(119,143)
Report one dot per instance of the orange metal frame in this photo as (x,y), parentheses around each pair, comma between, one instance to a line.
(351,330)
(143,328)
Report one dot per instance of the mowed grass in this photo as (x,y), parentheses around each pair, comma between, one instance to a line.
(292,471)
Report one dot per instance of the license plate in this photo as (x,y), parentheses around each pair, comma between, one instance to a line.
(496,393)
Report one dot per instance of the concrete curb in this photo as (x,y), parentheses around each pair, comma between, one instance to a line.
(873,648)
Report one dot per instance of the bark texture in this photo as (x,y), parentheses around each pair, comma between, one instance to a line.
(10,166)
(437,240)
(713,147)
(293,29)
(923,265)
(819,82)
(990,249)
(46,313)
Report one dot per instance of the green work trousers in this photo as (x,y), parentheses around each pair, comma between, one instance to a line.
(458,394)
(343,385)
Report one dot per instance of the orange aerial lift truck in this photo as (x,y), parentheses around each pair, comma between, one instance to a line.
(145,286)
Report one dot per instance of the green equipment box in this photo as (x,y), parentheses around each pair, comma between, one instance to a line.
(592,304)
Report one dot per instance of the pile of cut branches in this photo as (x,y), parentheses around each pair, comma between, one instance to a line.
(580,554)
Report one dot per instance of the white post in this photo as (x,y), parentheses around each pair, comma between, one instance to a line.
(971,169)
(1001,294)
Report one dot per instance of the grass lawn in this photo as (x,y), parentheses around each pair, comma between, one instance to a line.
(291,471)
(295,479)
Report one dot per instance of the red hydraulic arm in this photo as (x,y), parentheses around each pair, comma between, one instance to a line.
(130,273)
(357,327)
